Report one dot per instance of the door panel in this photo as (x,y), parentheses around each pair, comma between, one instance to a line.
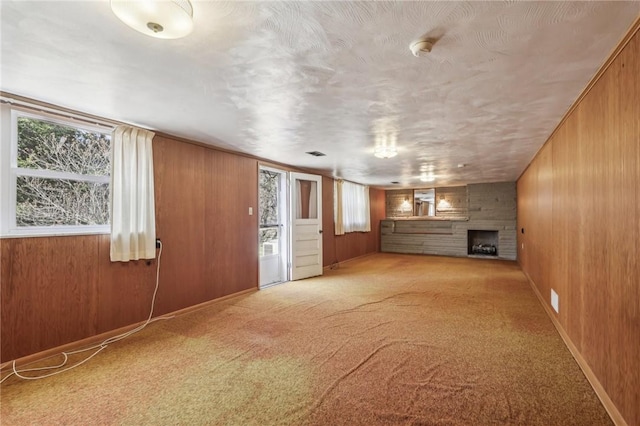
(306,225)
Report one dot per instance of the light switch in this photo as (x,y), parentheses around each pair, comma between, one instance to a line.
(250,211)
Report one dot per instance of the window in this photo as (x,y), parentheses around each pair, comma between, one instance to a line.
(351,208)
(59,177)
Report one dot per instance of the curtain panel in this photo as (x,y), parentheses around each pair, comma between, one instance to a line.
(351,207)
(133,219)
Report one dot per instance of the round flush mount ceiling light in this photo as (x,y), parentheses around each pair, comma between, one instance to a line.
(385,151)
(421,46)
(167,19)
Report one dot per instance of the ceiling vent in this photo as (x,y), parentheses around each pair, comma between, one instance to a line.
(316,153)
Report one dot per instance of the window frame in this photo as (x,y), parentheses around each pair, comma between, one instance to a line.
(9,172)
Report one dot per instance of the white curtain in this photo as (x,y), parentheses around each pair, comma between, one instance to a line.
(351,208)
(337,207)
(133,218)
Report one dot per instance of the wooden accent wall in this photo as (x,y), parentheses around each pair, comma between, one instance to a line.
(579,206)
(338,248)
(57,290)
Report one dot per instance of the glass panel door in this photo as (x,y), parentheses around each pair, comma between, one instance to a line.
(272,247)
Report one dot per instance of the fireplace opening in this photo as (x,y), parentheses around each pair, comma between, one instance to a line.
(482,243)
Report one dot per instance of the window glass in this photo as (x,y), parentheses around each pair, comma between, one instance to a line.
(51,202)
(307,207)
(46,145)
(61,174)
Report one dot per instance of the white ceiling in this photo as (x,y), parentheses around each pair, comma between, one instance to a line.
(277,79)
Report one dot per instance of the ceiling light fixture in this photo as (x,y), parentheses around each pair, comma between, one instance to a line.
(427,178)
(167,19)
(384,151)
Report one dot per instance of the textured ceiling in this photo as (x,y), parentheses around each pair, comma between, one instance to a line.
(277,79)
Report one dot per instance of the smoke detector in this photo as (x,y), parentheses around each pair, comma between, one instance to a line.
(421,47)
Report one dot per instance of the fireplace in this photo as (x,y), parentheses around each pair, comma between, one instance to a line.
(482,243)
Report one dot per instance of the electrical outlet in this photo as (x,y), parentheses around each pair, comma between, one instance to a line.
(555,301)
(158,243)
(250,211)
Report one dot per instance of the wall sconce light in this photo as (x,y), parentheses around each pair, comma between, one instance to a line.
(406,205)
(443,204)
(167,19)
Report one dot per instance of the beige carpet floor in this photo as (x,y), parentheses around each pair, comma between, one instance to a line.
(383,340)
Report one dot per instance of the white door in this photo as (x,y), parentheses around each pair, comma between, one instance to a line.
(306,225)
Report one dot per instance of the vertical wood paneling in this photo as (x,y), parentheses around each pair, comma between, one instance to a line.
(124,289)
(593,161)
(59,290)
(378,212)
(180,222)
(564,207)
(48,292)
(543,240)
(622,174)
(231,234)
(328,231)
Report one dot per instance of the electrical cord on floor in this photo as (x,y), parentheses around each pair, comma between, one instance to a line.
(98,347)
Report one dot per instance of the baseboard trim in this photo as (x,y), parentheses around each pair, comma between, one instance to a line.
(328,267)
(98,338)
(608,404)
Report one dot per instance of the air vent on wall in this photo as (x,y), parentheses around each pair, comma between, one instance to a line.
(316,153)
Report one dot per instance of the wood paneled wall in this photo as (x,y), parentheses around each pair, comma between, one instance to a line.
(579,206)
(57,290)
(338,248)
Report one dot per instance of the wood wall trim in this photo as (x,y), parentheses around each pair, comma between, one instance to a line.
(47,108)
(49,353)
(603,68)
(338,264)
(608,404)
